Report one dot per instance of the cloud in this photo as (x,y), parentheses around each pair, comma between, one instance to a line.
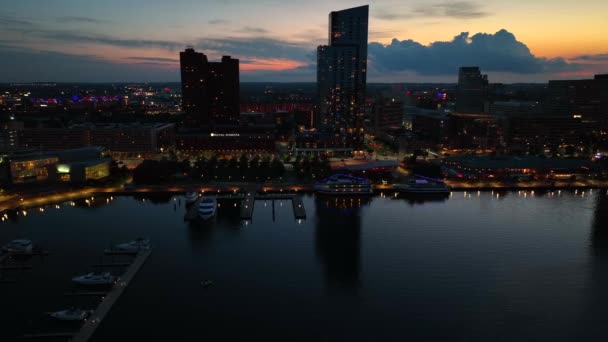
(20,65)
(457,10)
(218,21)
(499,52)
(98,39)
(251,29)
(153,59)
(6,20)
(80,20)
(603,57)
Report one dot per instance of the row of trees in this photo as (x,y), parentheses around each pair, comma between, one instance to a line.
(314,167)
(235,168)
(232,168)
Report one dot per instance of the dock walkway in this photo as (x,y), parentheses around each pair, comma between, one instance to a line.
(110,299)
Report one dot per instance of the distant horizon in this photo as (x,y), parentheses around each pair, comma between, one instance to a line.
(420,42)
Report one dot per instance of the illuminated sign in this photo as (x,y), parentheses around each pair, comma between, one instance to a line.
(224,134)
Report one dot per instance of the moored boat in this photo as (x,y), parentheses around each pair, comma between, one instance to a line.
(424,187)
(191,197)
(19,246)
(136,245)
(344,185)
(92,278)
(207,207)
(71,314)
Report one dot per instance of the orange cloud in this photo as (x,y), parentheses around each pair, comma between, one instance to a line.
(271,64)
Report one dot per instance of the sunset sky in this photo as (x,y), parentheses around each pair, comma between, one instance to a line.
(128,40)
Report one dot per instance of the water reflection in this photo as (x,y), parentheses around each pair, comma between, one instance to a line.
(338,239)
(592,322)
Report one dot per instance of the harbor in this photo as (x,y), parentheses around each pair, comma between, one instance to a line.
(107,298)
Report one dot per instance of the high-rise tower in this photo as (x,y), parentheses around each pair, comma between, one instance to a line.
(210,90)
(342,76)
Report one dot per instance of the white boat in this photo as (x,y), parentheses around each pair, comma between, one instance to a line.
(207,207)
(423,186)
(105,278)
(344,185)
(191,197)
(133,246)
(20,246)
(71,314)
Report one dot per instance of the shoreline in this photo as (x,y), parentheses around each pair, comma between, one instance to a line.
(35,200)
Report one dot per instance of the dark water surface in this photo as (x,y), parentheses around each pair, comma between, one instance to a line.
(474,267)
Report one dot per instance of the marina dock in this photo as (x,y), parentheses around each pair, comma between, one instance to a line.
(248,201)
(247,206)
(89,327)
(298,207)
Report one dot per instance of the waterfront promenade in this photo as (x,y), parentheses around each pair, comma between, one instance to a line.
(33,199)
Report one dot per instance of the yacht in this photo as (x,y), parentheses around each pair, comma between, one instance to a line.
(71,314)
(20,246)
(191,197)
(344,185)
(206,207)
(423,186)
(133,246)
(105,278)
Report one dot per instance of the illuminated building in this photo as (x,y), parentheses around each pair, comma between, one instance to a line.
(342,77)
(75,166)
(210,90)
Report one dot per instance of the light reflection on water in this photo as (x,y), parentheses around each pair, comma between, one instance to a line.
(471,266)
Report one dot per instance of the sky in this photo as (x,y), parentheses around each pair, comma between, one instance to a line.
(276,40)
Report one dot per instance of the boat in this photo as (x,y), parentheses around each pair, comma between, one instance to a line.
(136,245)
(424,186)
(207,207)
(344,185)
(105,278)
(71,314)
(191,197)
(206,283)
(19,246)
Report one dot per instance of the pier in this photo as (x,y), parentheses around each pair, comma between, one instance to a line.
(248,201)
(247,206)
(110,299)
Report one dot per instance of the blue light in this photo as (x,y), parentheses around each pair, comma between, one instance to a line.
(75,98)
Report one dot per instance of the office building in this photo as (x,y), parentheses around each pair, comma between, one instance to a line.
(471,95)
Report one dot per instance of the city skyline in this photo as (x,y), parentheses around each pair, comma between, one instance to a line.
(413,42)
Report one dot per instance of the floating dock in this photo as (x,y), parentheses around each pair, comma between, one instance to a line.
(298,207)
(247,206)
(110,299)
(65,335)
(248,201)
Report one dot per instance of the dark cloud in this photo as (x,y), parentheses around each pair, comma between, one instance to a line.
(96,39)
(6,20)
(153,59)
(79,20)
(218,21)
(603,57)
(499,52)
(456,9)
(20,65)
(251,29)
(255,47)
